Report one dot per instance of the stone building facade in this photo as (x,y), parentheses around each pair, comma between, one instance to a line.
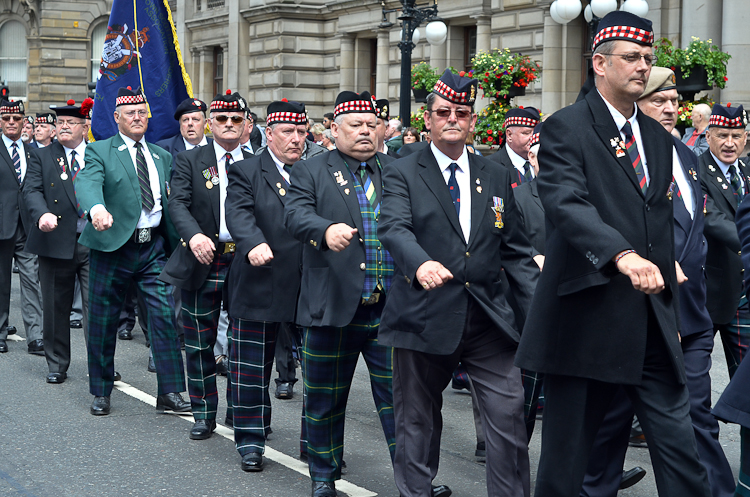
(309,51)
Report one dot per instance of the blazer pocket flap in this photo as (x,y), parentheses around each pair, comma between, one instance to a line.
(582,282)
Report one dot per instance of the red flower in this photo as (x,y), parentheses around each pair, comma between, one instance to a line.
(489,131)
(725,78)
(486,74)
(729,104)
(498,76)
(672,68)
(462,73)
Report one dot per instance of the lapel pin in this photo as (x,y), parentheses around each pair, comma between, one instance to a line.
(711,168)
(346,190)
(692,173)
(479,189)
(620,152)
(155,156)
(724,186)
(122,147)
(477,181)
(282,192)
(718,179)
(278,185)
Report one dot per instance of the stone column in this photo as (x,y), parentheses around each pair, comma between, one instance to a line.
(205,64)
(439,53)
(484,31)
(234,64)
(736,42)
(381,78)
(703,18)
(346,68)
(552,65)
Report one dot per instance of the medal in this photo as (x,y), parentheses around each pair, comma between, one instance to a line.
(479,189)
(278,185)
(64,176)
(209,185)
(215,180)
(498,209)
(282,192)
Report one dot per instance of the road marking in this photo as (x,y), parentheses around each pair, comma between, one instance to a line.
(349,488)
(15,338)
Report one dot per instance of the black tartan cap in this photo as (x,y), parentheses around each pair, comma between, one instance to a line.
(727,117)
(527,117)
(621,25)
(348,102)
(286,112)
(12,108)
(456,89)
(128,96)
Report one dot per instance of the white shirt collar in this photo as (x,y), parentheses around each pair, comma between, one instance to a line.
(444,161)
(190,146)
(617,115)
(9,142)
(516,159)
(80,151)
(131,143)
(220,153)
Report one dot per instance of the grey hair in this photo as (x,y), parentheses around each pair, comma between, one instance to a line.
(431,101)
(395,123)
(605,48)
(327,134)
(703,110)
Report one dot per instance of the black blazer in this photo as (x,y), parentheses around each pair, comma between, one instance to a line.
(331,281)
(690,249)
(586,319)
(256,138)
(176,144)
(419,223)
(255,202)
(411,148)
(532,214)
(12,205)
(194,209)
(723,263)
(502,157)
(45,191)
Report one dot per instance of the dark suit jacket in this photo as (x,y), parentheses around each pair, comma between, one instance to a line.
(255,214)
(194,209)
(586,319)
(176,144)
(332,282)
(12,205)
(410,148)
(690,249)
(502,157)
(419,223)
(45,191)
(723,264)
(532,214)
(256,138)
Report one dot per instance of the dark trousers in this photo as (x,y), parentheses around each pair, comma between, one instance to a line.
(285,343)
(57,278)
(574,410)
(735,336)
(28,274)
(418,383)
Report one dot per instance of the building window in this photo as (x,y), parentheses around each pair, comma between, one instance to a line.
(218,70)
(214,4)
(97,45)
(470,45)
(373,65)
(197,5)
(13,55)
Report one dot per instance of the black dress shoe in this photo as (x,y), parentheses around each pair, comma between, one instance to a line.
(323,489)
(11,330)
(202,429)
(631,477)
(36,347)
(441,491)
(57,378)
(151,365)
(118,376)
(252,462)
(221,365)
(100,406)
(284,391)
(172,402)
(15,269)
(481,452)
(3,347)
(76,323)
(125,335)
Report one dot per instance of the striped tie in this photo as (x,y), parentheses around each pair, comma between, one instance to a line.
(734,180)
(635,157)
(453,187)
(16,160)
(74,168)
(527,172)
(147,198)
(370,192)
(677,191)
(227,161)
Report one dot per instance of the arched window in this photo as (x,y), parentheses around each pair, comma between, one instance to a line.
(14,53)
(97,44)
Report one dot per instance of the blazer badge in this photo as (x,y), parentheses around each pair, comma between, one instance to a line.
(670,191)
(122,147)
(498,208)
(340,178)
(155,156)
(711,168)
(692,173)
(618,145)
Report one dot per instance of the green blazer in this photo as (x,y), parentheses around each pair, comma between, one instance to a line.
(109,178)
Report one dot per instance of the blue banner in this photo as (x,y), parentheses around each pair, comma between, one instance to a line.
(141,50)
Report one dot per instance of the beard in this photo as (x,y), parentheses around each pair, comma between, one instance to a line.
(25,137)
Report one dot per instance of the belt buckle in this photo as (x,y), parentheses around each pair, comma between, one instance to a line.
(144,235)
(229,248)
(374,298)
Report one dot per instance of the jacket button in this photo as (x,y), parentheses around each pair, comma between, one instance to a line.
(59,217)
(588,254)
(216,235)
(648,208)
(55,200)
(52,184)
(468,254)
(312,242)
(739,253)
(361,241)
(650,248)
(467,285)
(596,260)
(184,244)
(362,266)
(406,278)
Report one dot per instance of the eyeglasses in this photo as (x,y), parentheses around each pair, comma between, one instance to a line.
(14,118)
(446,113)
(234,119)
(69,124)
(132,113)
(635,57)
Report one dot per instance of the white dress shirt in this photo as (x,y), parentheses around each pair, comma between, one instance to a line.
(148,219)
(633,120)
(686,190)
(190,146)
(221,162)
(80,151)
(463,178)
(280,166)
(518,162)
(21,153)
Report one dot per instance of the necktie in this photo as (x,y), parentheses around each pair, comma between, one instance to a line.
(692,139)
(676,190)
(370,192)
(453,187)
(227,161)
(147,199)
(527,172)
(734,180)
(16,160)
(74,168)
(635,157)
(288,169)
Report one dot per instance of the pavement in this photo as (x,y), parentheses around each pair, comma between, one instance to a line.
(50,446)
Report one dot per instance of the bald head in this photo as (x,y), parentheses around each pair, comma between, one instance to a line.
(700,116)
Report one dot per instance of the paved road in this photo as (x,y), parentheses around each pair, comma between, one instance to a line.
(50,446)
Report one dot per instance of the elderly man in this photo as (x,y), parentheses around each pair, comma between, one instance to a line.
(695,137)
(27,132)
(519,128)
(451,223)
(604,316)
(51,201)
(333,207)
(393,139)
(382,126)
(264,279)
(191,114)
(200,263)
(44,129)
(123,190)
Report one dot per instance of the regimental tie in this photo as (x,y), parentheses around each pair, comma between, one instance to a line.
(147,198)
(370,192)
(527,172)
(453,187)
(16,160)
(227,161)
(288,169)
(734,180)
(635,157)
(74,168)
(676,190)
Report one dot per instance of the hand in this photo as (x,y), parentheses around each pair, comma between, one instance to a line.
(203,248)
(102,220)
(644,274)
(539,259)
(260,255)
(681,278)
(47,222)
(338,236)
(432,274)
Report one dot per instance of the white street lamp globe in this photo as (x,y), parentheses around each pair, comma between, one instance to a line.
(637,7)
(556,15)
(601,8)
(587,14)
(416,36)
(436,32)
(568,9)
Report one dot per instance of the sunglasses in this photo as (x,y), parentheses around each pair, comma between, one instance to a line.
(234,119)
(14,118)
(446,113)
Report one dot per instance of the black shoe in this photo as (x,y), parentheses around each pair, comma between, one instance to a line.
(151,365)
(3,347)
(36,347)
(441,491)
(76,323)
(458,384)
(118,376)
(15,269)
(631,477)
(481,452)
(221,365)
(57,378)
(125,335)
(323,489)
(172,402)
(11,330)
(202,429)
(252,462)
(100,406)
(284,391)
(637,441)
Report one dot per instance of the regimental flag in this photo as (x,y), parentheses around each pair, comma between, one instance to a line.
(141,51)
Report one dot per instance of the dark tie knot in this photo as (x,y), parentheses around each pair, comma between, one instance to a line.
(453,167)
(627,129)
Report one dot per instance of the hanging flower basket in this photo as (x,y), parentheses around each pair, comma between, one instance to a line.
(502,74)
(420,94)
(695,81)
